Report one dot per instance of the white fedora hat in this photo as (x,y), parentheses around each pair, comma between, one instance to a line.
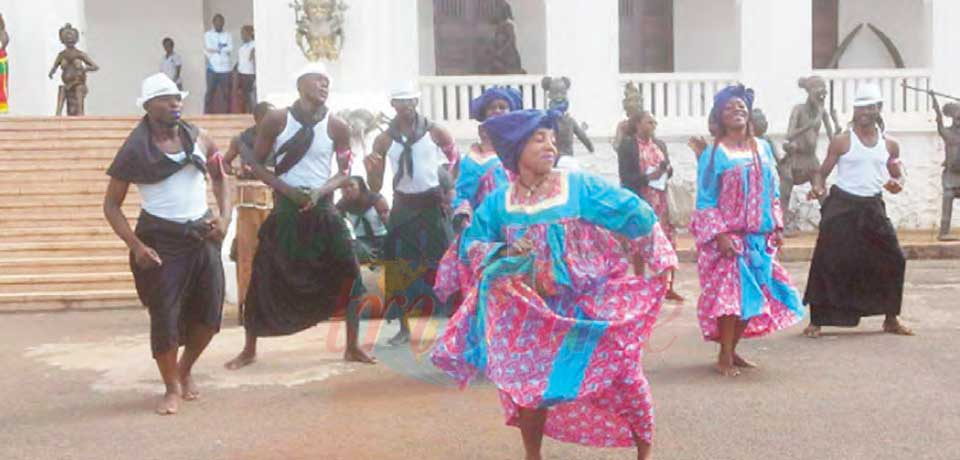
(405,90)
(157,85)
(868,94)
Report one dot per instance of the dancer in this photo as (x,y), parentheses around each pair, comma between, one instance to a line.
(175,250)
(481,172)
(556,321)
(368,214)
(418,234)
(645,167)
(858,267)
(738,228)
(304,269)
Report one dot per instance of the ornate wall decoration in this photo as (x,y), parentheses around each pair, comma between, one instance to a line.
(320,32)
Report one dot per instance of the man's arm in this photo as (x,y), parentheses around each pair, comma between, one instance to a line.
(221,191)
(838,147)
(448,146)
(376,162)
(232,152)
(144,256)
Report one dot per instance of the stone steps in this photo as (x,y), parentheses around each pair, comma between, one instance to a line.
(57,251)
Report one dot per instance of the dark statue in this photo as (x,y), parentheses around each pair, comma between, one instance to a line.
(74,65)
(568,127)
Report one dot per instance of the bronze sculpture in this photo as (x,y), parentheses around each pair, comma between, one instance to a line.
(74,65)
(951,165)
(800,161)
(320,28)
(567,127)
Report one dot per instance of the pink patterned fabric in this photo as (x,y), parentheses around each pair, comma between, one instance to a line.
(720,276)
(651,156)
(614,400)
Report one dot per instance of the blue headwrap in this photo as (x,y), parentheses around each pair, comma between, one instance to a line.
(721,99)
(478,106)
(511,131)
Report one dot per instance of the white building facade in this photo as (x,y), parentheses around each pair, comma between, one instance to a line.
(678,51)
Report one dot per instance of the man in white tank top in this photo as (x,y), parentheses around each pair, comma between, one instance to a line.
(858,267)
(175,250)
(419,233)
(304,269)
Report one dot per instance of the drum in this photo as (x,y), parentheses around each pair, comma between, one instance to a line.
(254,194)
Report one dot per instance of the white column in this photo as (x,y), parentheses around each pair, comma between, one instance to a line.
(583,44)
(34,45)
(381,47)
(944,17)
(775,51)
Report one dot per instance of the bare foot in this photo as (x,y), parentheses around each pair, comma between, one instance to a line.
(726,367)
(812,331)
(242,360)
(401,338)
(896,328)
(189,388)
(674,297)
(169,404)
(356,355)
(738,361)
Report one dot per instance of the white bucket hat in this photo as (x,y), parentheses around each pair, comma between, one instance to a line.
(157,85)
(868,94)
(405,90)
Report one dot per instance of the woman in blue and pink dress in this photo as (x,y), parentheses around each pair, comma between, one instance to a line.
(481,172)
(738,226)
(555,319)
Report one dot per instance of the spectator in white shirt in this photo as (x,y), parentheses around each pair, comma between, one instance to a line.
(218,45)
(247,70)
(171,64)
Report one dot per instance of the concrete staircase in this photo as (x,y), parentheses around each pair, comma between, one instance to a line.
(57,251)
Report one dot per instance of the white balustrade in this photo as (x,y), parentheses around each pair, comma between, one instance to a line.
(899,102)
(680,101)
(447,99)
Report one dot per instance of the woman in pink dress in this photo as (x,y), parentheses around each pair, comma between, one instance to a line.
(555,319)
(738,226)
(644,169)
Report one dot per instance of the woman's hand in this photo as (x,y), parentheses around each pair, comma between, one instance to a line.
(725,245)
(697,143)
(777,240)
(521,247)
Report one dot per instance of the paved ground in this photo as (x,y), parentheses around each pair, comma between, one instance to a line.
(81,386)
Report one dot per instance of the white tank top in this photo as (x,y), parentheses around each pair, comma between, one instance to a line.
(862,171)
(427,158)
(314,168)
(180,198)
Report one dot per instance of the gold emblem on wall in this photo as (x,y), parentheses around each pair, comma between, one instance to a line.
(320,28)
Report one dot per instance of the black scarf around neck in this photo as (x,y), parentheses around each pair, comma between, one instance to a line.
(421,127)
(140,161)
(296,148)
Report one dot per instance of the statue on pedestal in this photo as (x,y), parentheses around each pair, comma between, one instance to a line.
(74,65)
(320,28)
(800,160)
(567,127)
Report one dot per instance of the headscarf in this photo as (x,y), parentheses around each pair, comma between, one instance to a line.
(478,106)
(511,131)
(724,96)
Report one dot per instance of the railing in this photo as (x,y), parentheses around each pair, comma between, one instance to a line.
(679,99)
(898,101)
(447,99)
